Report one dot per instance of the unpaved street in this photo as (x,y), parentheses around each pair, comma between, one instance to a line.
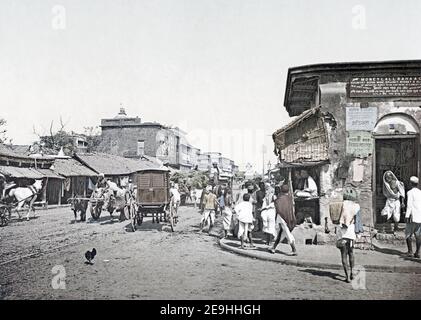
(155,264)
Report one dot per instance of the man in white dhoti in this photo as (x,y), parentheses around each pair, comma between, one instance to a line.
(268,215)
(244,211)
(413,217)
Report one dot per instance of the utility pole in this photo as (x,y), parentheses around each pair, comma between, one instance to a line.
(263,163)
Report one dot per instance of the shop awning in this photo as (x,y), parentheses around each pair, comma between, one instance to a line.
(285,165)
(304,139)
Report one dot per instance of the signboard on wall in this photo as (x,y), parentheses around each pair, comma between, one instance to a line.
(359,143)
(361,118)
(397,86)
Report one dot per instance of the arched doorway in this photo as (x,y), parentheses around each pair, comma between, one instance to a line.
(397,148)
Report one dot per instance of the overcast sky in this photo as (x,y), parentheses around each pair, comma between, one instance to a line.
(212,67)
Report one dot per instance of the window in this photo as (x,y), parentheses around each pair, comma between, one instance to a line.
(140,147)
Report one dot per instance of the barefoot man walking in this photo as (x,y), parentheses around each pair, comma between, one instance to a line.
(413,217)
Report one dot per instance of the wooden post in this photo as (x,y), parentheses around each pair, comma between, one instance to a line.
(44,193)
(59,193)
(290,188)
(85,186)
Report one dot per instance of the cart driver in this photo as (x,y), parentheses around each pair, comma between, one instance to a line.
(103,185)
(102,182)
(130,188)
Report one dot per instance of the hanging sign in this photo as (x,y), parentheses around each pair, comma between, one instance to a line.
(397,86)
(359,143)
(361,118)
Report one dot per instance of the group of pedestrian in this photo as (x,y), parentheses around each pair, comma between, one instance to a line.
(269,209)
(393,190)
(263,208)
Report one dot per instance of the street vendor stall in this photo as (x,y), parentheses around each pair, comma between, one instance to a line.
(302,147)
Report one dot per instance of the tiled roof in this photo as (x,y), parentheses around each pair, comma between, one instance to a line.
(30,173)
(114,165)
(72,168)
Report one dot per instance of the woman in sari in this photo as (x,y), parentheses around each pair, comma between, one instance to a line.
(393,190)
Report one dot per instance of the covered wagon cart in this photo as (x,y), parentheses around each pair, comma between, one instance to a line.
(152,196)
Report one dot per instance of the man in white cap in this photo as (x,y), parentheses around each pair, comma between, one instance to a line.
(413,217)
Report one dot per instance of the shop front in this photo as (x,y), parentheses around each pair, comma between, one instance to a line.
(302,148)
(354,122)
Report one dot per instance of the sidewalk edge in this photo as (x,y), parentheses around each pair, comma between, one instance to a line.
(318,264)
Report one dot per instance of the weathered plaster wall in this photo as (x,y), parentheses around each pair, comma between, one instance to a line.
(339,174)
(123,140)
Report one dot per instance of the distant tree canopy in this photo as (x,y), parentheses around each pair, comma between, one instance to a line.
(240,176)
(60,138)
(3,137)
(93,138)
(194,179)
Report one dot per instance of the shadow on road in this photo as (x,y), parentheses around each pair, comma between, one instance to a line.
(321,273)
(104,218)
(396,253)
(148,226)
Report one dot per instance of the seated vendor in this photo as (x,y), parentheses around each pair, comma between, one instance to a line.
(309,188)
(297,181)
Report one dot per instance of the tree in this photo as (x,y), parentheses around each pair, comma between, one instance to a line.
(194,179)
(3,137)
(56,139)
(239,175)
(93,138)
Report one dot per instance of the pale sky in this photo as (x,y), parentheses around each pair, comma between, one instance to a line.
(211,67)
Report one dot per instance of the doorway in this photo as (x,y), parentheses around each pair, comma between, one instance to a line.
(399,155)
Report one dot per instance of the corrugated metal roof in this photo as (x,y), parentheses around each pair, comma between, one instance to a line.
(113,165)
(30,173)
(72,168)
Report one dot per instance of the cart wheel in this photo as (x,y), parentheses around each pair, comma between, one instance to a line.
(5,215)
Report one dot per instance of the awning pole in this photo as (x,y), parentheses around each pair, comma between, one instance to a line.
(291,190)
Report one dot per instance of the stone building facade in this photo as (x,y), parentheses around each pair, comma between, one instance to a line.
(130,137)
(368,116)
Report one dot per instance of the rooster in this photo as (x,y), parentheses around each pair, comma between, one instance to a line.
(90,255)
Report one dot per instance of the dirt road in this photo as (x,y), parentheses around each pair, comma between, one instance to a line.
(155,264)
